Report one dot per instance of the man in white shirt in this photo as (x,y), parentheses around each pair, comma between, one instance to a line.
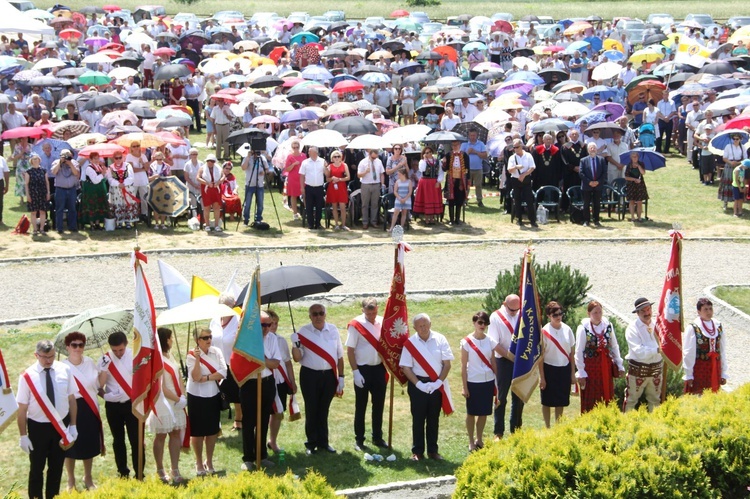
(467,110)
(383,96)
(627,73)
(521,166)
(645,363)
(55,387)
(503,322)
(318,349)
(131,86)
(449,120)
(614,149)
(691,124)
(372,177)
(223,118)
(368,371)
(668,111)
(312,178)
(116,376)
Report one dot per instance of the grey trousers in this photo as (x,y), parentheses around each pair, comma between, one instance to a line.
(370,202)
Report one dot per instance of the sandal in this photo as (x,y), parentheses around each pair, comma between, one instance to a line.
(177,479)
(162,476)
(200,471)
(209,471)
(237,425)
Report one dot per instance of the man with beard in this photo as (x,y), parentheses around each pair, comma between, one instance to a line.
(548,162)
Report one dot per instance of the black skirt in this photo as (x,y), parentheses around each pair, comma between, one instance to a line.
(88,443)
(230,388)
(204,414)
(283,391)
(557,392)
(480,398)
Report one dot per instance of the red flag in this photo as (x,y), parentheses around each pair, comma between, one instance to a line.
(395,330)
(147,362)
(670,319)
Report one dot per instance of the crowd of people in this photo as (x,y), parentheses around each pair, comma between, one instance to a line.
(120,100)
(59,399)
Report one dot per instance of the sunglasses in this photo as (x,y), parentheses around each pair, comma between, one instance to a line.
(118,157)
(77,345)
(265,324)
(556,314)
(317,314)
(480,323)
(514,310)
(517,147)
(397,149)
(206,338)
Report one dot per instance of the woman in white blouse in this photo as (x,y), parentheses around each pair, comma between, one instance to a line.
(478,376)
(89,443)
(556,373)
(204,399)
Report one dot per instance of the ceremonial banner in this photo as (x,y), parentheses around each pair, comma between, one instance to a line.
(669,319)
(527,343)
(395,329)
(200,287)
(177,289)
(248,354)
(147,362)
(692,53)
(8,404)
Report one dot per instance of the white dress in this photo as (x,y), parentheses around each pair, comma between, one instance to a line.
(167,419)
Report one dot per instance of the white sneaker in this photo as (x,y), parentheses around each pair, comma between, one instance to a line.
(247,466)
(208,228)
(217,229)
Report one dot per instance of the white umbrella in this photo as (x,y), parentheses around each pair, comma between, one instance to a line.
(214,66)
(606,71)
(81,141)
(324,138)
(122,73)
(276,105)
(570,109)
(49,63)
(201,309)
(448,82)
(96,324)
(525,64)
(408,133)
(250,96)
(137,39)
(246,45)
(369,141)
(491,115)
(97,59)
(739,102)
(340,108)
(539,107)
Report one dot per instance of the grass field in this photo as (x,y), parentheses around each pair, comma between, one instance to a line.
(347,468)
(359,9)
(736,296)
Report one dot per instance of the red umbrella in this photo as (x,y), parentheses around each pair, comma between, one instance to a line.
(26,131)
(105,149)
(400,13)
(503,26)
(184,109)
(110,52)
(553,49)
(315,45)
(447,50)
(111,8)
(226,98)
(277,54)
(164,51)
(739,123)
(69,33)
(346,86)
(292,81)
(653,89)
(231,91)
(117,47)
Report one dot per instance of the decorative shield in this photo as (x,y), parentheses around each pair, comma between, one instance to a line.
(168,196)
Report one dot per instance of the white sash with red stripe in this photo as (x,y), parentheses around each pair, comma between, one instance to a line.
(482,357)
(117,375)
(363,330)
(206,361)
(321,352)
(555,342)
(185,432)
(66,441)
(278,407)
(505,320)
(415,351)
(86,396)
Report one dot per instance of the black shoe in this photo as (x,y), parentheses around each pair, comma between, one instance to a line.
(329,449)
(480,204)
(382,444)
(359,444)
(533,224)
(597,224)
(310,452)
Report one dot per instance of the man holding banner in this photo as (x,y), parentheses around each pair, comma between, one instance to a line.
(370,377)
(46,418)
(426,361)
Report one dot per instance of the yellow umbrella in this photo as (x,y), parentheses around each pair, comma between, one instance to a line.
(380,53)
(611,43)
(260,61)
(146,139)
(670,39)
(649,55)
(740,34)
(506,104)
(577,27)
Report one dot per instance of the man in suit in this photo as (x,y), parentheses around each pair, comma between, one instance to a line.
(593,173)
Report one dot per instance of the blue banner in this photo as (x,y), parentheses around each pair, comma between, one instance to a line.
(527,338)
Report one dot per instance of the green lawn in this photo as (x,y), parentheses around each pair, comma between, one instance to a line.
(347,468)
(736,296)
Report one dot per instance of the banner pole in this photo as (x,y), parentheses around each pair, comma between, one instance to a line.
(665,372)
(139,471)
(390,416)
(258,423)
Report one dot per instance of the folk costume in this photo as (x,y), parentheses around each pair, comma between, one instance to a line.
(597,359)
(456,168)
(122,194)
(549,165)
(429,197)
(645,365)
(703,346)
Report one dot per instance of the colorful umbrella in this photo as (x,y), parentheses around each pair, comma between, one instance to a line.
(70,33)
(105,150)
(447,50)
(347,86)
(26,131)
(308,36)
(95,78)
(168,196)
(73,127)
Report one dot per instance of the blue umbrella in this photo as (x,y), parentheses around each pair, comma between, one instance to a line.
(579,45)
(565,22)
(375,77)
(299,115)
(309,37)
(723,139)
(57,146)
(527,76)
(339,78)
(595,42)
(592,117)
(604,92)
(651,160)
(474,45)
(614,55)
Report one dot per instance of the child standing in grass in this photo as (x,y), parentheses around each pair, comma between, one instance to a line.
(738,186)
(402,189)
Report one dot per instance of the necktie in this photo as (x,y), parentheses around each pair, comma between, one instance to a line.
(50,386)
(372,168)
(593,168)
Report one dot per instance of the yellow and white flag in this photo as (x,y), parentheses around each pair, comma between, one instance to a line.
(693,54)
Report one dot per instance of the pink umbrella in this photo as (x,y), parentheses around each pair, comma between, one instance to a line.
(264,118)
(26,131)
(170,138)
(283,23)
(111,8)
(105,150)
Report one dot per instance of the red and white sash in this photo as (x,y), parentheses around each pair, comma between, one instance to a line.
(278,407)
(374,342)
(86,396)
(51,412)
(555,342)
(321,352)
(185,433)
(505,320)
(206,361)
(482,357)
(117,375)
(415,352)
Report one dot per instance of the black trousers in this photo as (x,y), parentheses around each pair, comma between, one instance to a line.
(589,196)
(195,106)
(665,130)
(504,377)
(318,389)
(425,418)
(375,386)
(121,419)
(249,402)
(2,195)
(47,452)
(314,204)
(522,192)
(456,204)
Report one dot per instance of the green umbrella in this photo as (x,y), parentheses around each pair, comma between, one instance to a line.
(309,37)
(95,78)
(407,24)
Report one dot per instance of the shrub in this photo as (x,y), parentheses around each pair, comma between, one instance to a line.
(554,281)
(245,485)
(688,447)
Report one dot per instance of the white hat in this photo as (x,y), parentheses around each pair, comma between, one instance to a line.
(211,157)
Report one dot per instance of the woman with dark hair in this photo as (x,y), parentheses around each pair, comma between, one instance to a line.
(597,358)
(429,198)
(90,441)
(478,375)
(206,367)
(556,374)
(703,352)
(635,188)
(169,417)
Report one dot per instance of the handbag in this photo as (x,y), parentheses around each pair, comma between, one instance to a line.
(225,404)
(615,369)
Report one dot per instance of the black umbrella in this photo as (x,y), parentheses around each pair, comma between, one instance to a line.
(524,52)
(398,52)
(530,18)
(549,74)
(71,72)
(425,110)
(550,125)
(741,62)
(239,137)
(490,75)
(411,68)
(444,138)
(334,53)
(304,95)
(717,68)
(144,112)
(607,129)
(337,26)
(174,121)
(594,19)
(429,55)
(471,126)
(90,9)
(654,39)
(267,47)
(103,100)
(368,68)
(128,62)
(677,80)
(459,93)
(416,79)
(353,125)
(339,46)
(393,45)
(267,81)
(147,93)
(171,71)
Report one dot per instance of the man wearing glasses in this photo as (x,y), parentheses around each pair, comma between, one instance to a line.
(503,322)
(477,152)
(372,177)
(317,347)
(520,167)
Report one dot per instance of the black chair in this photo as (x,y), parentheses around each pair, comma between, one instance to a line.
(523,205)
(355,206)
(610,199)
(550,196)
(387,203)
(618,185)
(575,196)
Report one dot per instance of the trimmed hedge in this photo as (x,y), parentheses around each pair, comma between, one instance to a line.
(242,485)
(688,447)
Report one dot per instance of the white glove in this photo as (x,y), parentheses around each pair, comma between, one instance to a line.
(437,384)
(112,396)
(181,404)
(104,363)
(73,431)
(25,444)
(70,437)
(340,388)
(359,380)
(295,339)
(422,386)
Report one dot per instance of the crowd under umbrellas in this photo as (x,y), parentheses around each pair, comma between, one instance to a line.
(288,76)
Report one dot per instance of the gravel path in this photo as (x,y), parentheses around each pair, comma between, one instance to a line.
(618,272)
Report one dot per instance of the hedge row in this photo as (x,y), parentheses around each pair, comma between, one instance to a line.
(689,447)
(242,485)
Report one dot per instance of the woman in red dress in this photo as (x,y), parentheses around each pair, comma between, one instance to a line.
(175,92)
(703,347)
(232,203)
(598,358)
(337,175)
(429,198)
(291,170)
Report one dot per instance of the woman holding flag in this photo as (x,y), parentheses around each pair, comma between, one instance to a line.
(169,417)
(91,441)
(556,373)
